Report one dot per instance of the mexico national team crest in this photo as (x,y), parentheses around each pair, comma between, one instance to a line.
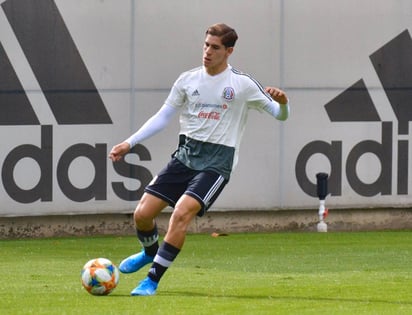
(228,94)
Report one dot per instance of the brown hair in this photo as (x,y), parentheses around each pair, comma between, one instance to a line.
(227,34)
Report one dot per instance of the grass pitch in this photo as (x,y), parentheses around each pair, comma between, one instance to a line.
(279,273)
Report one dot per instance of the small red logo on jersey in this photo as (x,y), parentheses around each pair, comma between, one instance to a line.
(209,115)
(228,94)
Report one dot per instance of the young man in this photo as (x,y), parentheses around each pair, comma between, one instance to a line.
(213,101)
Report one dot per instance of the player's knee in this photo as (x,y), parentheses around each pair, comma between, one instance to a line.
(141,215)
(183,216)
(147,209)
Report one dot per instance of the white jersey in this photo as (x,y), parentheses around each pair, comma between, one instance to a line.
(213,115)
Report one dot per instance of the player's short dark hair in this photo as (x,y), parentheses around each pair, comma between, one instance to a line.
(226,33)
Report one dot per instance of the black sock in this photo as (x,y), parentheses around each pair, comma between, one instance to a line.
(149,240)
(164,258)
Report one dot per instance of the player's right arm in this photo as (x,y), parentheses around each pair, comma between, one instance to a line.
(155,124)
(118,151)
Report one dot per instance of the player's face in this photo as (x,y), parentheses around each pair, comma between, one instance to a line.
(215,54)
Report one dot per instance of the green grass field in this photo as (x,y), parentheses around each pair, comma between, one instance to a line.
(279,273)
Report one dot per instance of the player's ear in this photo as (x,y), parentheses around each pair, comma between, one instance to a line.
(229,50)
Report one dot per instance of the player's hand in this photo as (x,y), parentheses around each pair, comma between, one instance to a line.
(118,151)
(277,94)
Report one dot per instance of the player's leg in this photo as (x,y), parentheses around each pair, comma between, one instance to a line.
(144,216)
(202,191)
(165,189)
(185,210)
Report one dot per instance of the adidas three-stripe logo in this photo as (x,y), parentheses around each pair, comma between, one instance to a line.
(393,65)
(56,63)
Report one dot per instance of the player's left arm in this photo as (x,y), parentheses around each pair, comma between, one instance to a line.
(280,107)
(277,94)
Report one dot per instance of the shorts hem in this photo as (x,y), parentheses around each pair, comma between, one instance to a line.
(203,209)
(158,195)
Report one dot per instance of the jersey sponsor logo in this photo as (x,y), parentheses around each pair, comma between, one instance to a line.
(209,115)
(228,94)
(393,66)
(206,105)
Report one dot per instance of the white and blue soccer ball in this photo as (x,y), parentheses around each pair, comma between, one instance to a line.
(100,276)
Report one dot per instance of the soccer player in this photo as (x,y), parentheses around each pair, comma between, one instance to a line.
(213,101)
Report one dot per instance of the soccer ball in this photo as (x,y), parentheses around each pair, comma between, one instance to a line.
(100,276)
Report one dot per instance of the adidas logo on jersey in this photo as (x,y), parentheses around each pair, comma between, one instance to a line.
(195,93)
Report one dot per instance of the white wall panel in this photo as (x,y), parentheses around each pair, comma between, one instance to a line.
(134,50)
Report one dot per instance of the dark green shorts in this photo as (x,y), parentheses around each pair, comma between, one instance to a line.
(176,179)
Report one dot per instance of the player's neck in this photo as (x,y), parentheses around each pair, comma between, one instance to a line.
(212,71)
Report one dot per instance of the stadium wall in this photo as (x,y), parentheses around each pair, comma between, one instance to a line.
(79,76)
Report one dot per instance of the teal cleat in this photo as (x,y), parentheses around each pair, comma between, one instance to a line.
(145,288)
(135,262)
